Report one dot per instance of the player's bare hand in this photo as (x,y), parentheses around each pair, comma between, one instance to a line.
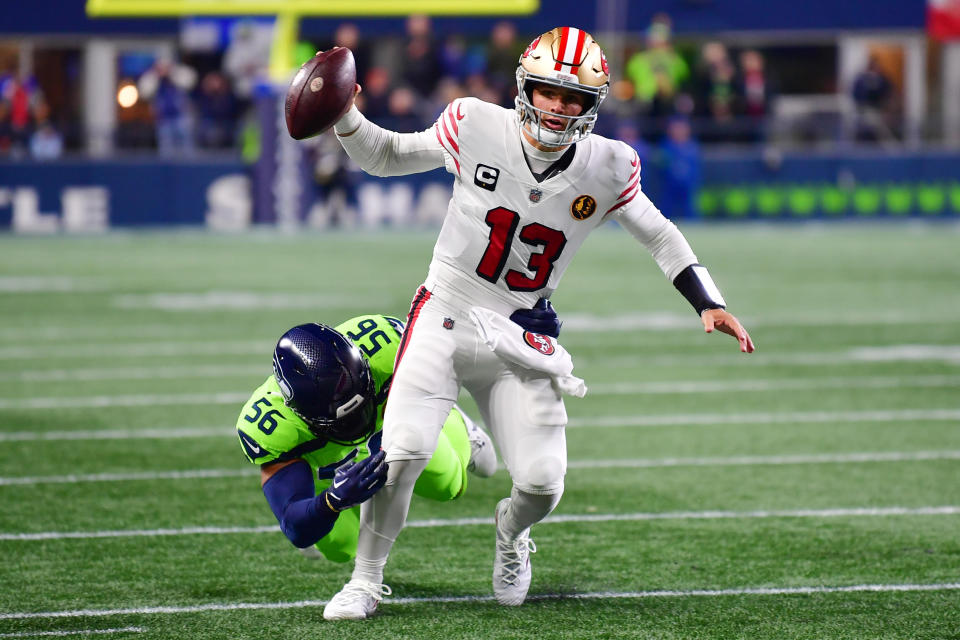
(724,321)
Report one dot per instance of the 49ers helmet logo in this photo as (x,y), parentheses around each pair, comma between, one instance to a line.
(540,342)
(583,207)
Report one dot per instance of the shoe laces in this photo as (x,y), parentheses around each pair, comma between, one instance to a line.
(357,589)
(516,555)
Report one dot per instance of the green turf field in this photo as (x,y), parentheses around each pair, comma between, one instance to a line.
(810,490)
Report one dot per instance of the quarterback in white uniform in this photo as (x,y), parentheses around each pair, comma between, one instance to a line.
(529,185)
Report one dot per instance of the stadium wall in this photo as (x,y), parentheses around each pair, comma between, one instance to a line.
(90,196)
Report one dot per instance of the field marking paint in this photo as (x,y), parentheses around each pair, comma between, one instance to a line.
(137,350)
(190,474)
(50,284)
(617,388)
(461,522)
(72,632)
(694,419)
(135,373)
(625,463)
(161,433)
(941,353)
(786,417)
(102,402)
(240,301)
(736,461)
(596,595)
(574,322)
(775,384)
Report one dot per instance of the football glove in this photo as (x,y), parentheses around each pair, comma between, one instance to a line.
(541,319)
(356,482)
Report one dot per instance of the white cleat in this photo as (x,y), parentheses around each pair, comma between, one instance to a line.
(356,601)
(483,458)
(511,564)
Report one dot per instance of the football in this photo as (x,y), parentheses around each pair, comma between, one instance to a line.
(321,92)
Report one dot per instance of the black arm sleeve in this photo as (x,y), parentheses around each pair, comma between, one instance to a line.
(698,288)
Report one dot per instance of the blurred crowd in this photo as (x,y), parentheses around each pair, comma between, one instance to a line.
(25,120)
(663,97)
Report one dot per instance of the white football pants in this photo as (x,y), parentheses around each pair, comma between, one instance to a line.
(526,417)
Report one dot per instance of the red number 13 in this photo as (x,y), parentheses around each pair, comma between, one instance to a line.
(503,224)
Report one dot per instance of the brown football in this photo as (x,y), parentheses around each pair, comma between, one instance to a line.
(320,92)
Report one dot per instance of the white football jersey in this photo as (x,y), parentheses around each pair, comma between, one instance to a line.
(507,239)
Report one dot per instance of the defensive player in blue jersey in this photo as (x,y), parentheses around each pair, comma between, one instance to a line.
(314,429)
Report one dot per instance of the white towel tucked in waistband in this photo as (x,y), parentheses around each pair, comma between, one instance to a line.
(531,351)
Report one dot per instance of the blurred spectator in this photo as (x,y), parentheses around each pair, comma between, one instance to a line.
(872,95)
(6,128)
(681,170)
(335,184)
(420,66)
(247,57)
(18,94)
(659,72)
(46,143)
(401,112)
(502,58)
(218,110)
(753,88)
(715,93)
(347,35)
(167,85)
(376,94)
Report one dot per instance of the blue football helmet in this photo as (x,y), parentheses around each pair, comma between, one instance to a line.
(327,382)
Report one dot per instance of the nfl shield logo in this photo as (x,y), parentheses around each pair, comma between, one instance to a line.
(448,323)
(535,195)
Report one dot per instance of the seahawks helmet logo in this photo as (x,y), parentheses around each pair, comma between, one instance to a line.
(285,387)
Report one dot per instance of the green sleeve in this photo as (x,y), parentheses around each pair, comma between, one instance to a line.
(267,428)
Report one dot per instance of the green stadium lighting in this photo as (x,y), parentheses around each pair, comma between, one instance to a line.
(769,201)
(866,201)
(834,201)
(736,201)
(898,199)
(931,198)
(802,201)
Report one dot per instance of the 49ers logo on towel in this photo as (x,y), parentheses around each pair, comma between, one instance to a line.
(540,342)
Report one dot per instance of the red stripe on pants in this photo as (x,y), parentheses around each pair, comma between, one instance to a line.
(418,301)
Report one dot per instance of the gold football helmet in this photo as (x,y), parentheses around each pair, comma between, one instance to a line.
(564,57)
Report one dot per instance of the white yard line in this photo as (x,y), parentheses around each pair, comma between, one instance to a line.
(189,474)
(461,522)
(773,384)
(948,354)
(783,417)
(72,632)
(596,595)
(159,433)
(616,388)
(135,373)
(111,350)
(102,402)
(574,322)
(692,419)
(625,463)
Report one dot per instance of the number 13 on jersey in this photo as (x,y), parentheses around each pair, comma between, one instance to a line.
(503,225)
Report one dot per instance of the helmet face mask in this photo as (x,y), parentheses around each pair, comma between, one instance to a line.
(327,383)
(567,58)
